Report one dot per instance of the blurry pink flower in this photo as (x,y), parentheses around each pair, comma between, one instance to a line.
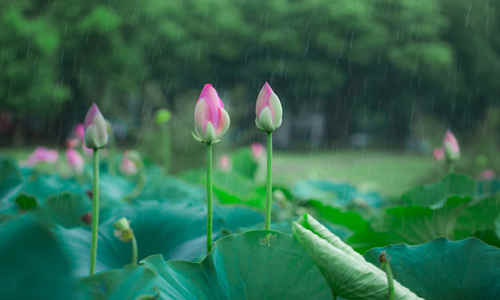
(438,153)
(79,132)
(268,110)
(210,118)
(487,174)
(257,150)
(72,143)
(128,166)
(451,148)
(225,163)
(75,160)
(41,154)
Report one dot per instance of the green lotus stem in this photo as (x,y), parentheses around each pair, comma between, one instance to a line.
(269,180)
(95,211)
(141,183)
(209,195)
(134,250)
(386,266)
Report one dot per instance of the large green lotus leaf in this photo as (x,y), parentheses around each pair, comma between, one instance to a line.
(33,263)
(346,218)
(159,186)
(443,269)
(177,231)
(437,193)
(253,265)
(43,186)
(10,180)
(335,194)
(230,188)
(66,209)
(456,219)
(346,271)
(358,232)
(113,189)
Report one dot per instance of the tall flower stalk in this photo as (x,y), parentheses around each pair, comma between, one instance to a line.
(211,123)
(96,137)
(269,116)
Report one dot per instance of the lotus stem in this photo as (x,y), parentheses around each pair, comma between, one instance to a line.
(95,210)
(209,196)
(269,180)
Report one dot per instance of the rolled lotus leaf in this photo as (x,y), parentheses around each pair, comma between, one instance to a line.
(349,275)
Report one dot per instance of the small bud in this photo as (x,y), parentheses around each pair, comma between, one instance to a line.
(487,174)
(210,119)
(131,161)
(79,132)
(225,163)
(96,129)
(75,160)
(90,194)
(123,230)
(269,113)
(87,218)
(438,154)
(258,151)
(451,148)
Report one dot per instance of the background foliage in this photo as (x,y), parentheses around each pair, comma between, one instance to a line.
(372,65)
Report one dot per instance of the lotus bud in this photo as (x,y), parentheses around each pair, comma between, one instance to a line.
(210,118)
(268,110)
(225,163)
(75,160)
(487,174)
(130,163)
(96,129)
(123,230)
(79,132)
(451,148)
(438,154)
(258,151)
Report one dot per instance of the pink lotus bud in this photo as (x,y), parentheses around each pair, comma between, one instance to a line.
(257,150)
(96,129)
(128,166)
(451,148)
(487,174)
(75,160)
(210,118)
(438,153)
(268,110)
(41,154)
(225,163)
(79,132)
(72,143)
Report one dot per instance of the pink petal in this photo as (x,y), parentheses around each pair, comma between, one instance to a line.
(263,98)
(213,103)
(91,114)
